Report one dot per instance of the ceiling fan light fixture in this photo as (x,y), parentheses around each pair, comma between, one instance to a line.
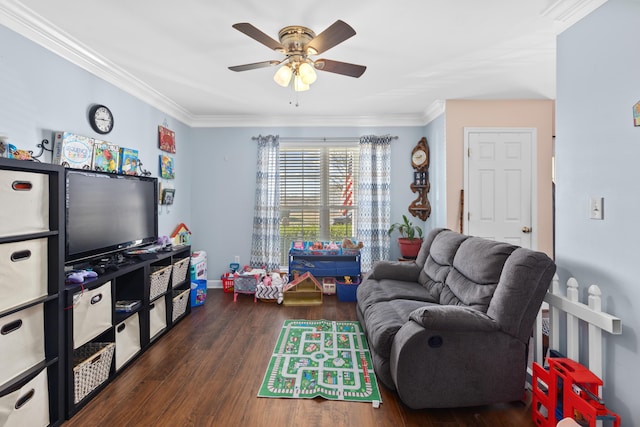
(298,84)
(298,44)
(307,73)
(283,75)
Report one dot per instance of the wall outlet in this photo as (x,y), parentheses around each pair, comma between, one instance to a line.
(596,205)
(236,259)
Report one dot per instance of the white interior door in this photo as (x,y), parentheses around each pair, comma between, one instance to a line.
(499,196)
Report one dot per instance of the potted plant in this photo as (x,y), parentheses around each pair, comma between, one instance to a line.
(410,239)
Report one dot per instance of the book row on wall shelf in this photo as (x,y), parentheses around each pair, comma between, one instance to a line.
(62,342)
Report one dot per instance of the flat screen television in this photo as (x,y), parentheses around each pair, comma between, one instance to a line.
(108,213)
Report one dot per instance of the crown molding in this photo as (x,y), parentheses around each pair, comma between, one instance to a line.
(436,109)
(565,13)
(307,121)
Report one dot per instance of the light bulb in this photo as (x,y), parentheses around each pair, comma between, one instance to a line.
(299,85)
(283,76)
(307,73)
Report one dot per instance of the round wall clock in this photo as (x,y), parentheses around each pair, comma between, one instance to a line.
(420,155)
(101,119)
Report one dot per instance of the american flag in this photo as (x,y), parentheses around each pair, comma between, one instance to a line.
(347,193)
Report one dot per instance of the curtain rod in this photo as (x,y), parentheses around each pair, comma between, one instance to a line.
(319,139)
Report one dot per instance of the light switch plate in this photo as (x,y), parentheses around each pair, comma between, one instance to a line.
(596,205)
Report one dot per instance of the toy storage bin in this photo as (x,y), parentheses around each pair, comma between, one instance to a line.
(23,272)
(91,313)
(198,292)
(347,291)
(127,340)
(159,281)
(28,405)
(180,300)
(25,202)
(227,283)
(157,317)
(21,343)
(318,267)
(198,267)
(348,268)
(350,252)
(306,248)
(91,367)
(180,269)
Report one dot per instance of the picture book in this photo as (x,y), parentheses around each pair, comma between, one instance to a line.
(72,151)
(128,161)
(166,167)
(105,156)
(166,139)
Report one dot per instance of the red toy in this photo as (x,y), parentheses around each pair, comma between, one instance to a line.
(571,392)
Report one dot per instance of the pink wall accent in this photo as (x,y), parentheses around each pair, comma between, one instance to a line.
(537,114)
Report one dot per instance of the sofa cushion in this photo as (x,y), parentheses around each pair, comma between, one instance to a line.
(439,260)
(374,291)
(383,320)
(476,271)
(482,260)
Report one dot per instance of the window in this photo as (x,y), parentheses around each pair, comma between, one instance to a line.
(317,193)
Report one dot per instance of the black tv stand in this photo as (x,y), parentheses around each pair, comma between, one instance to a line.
(92,308)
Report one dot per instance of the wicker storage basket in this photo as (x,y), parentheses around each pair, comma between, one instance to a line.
(180,269)
(159,281)
(180,300)
(91,367)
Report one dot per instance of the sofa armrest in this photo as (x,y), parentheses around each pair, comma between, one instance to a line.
(403,271)
(445,368)
(453,318)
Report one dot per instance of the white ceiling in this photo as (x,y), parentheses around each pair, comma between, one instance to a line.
(418,53)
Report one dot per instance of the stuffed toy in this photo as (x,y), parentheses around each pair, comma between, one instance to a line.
(276,278)
(350,244)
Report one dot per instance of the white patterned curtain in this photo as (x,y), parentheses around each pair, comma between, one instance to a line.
(265,246)
(374,199)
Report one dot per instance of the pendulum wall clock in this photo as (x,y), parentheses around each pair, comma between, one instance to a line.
(420,207)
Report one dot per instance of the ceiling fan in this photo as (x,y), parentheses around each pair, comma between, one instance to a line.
(298,44)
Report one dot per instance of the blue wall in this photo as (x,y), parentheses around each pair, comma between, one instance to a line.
(41,93)
(223,186)
(597,154)
(435,133)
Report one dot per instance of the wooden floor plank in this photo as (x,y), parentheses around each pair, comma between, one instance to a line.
(207,370)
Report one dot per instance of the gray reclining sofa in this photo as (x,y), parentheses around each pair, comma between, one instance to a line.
(452,328)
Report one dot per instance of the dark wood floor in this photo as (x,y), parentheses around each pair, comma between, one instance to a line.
(207,370)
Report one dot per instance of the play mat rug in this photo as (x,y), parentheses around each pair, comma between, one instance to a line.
(321,358)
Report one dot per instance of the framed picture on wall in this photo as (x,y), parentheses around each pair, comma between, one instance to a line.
(166,139)
(636,114)
(166,167)
(167,196)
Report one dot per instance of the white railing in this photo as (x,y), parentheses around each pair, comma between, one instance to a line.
(570,308)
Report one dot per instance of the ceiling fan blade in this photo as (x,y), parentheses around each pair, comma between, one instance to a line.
(254,65)
(256,34)
(338,67)
(338,32)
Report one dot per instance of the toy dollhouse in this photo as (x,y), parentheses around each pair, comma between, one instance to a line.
(305,290)
(181,235)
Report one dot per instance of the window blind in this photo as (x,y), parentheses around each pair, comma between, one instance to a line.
(318,196)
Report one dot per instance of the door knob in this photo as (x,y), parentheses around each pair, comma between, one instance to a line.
(526,229)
